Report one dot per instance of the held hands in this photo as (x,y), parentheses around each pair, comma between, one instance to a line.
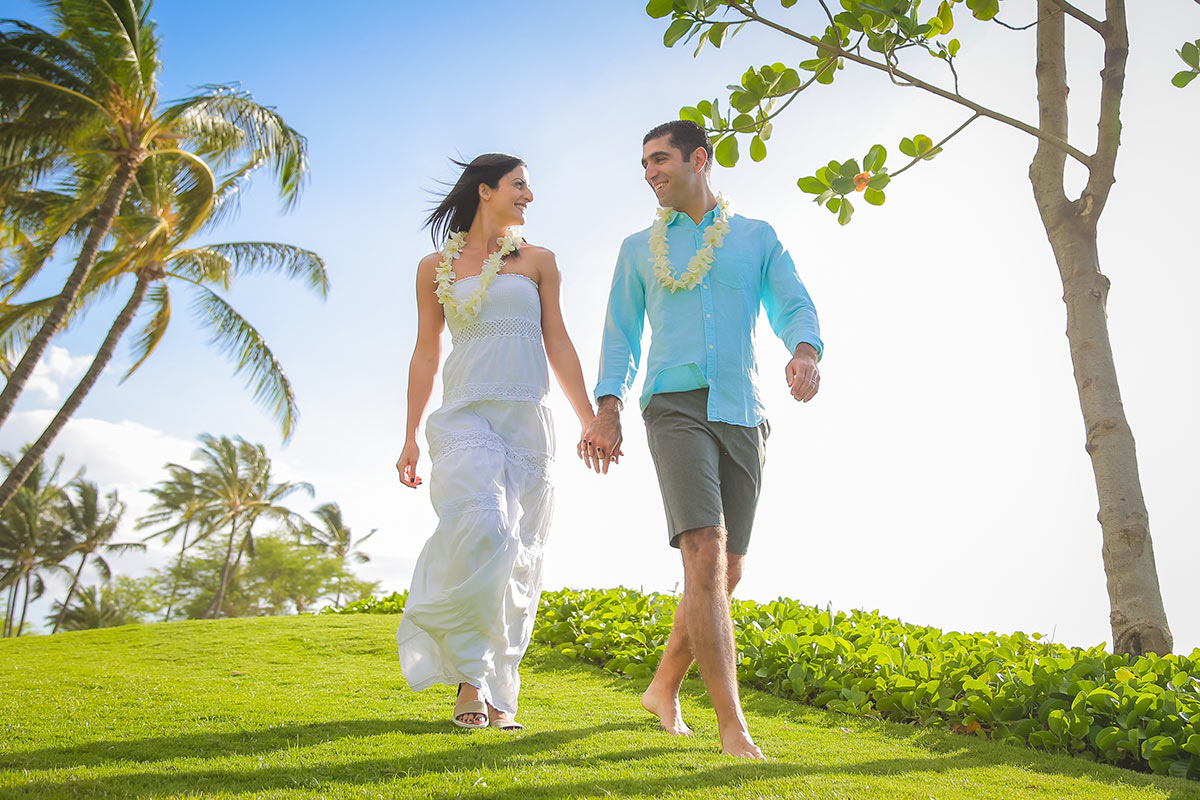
(802,374)
(600,443)
(407,465)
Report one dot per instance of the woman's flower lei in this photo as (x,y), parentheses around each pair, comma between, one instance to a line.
(468,307)
(701,263)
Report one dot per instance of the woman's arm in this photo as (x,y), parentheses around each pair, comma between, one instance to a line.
(559,350)
(422,369)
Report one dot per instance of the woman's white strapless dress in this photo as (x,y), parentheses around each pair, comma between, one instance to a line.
(475,589)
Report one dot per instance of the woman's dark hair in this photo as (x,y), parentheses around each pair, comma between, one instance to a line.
(457,208)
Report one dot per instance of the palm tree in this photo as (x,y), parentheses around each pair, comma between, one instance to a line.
(333,536)
(235,489)
(90,525)
(81,106)
(176,501)
(96,608)
(169,203)
(31,539)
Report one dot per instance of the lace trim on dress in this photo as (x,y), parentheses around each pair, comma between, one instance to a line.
(484,501)
(505,326)
(531,461)
(494,391)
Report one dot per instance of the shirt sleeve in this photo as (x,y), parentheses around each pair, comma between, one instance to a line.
(621,346)
(790,310)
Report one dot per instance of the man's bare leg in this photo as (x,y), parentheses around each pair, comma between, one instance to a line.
(710,633)
(661,697)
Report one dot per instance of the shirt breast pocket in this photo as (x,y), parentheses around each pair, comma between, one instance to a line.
(738,281)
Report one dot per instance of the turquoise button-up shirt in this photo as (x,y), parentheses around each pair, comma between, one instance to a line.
(704,336)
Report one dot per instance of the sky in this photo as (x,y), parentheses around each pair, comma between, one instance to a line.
(939,476)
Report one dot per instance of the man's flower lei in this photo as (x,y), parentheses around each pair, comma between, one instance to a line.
(468,307)
(701,263)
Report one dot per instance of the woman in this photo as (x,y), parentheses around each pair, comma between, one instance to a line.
(475,589)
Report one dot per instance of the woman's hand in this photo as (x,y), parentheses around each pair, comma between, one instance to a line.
(407,465)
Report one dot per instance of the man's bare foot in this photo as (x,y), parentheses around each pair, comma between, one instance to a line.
(738,743)
(666,708)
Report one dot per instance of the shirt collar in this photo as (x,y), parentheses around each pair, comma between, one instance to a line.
(707,219)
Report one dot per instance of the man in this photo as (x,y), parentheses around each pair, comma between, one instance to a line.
(699,274)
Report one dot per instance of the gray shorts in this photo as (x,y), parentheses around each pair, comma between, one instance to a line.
(710,473)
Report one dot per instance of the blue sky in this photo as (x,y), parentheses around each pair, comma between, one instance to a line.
(940,475)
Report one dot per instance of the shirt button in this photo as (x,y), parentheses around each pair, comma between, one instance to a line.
(705,285)
(710,347)
(708,316)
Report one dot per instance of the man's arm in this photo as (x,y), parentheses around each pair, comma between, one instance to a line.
(793,317)
(620,353)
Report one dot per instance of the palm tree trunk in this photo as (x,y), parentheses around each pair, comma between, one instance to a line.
(126,170)
(11,609)
(175,582)
(215,607)
(24,605)
(38,449)
(63,611)
(1138,619)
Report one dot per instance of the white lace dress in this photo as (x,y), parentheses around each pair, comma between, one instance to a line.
(475,589)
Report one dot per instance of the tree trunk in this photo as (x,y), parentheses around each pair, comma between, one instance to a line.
(1138,619)
(24,605)
(214,608)
(38,449)
(175,582)
(10,610)
(126,171)
(63,611)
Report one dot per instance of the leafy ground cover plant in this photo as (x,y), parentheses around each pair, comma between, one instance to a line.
(1142,713)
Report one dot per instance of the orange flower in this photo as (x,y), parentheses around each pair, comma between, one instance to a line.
(861,180)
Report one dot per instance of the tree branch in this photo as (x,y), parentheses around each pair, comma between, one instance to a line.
(1112,85)
(1082,16)
(939,145)
(1055,141)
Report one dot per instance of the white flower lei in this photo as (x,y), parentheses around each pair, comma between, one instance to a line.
(701,263)
(468,307)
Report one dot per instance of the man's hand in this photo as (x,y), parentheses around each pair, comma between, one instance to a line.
(601,443)
(802,374)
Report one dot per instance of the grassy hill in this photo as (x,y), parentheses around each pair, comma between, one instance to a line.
(316,707)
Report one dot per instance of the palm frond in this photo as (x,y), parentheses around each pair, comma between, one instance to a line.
(249,258)
(227,125)
(241,341)
(159,299)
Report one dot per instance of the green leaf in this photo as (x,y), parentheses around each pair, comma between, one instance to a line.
(704,107)
(716,34)
(811,185)
(908,148)
(743,122)
(742,101)
(825,74)
(954,47)
(727,151)
(874,196)
(676,31)
(833,204)
(849,169)
(923,143)
(946,15)
(842,185)
(984,9)
(879,181)
(758,150)
(1182,79)
(845,212)
(658,9)
(789,81)
(875,158)
(1190,55)
(693,114)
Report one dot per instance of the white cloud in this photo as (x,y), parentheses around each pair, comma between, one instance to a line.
(55,374)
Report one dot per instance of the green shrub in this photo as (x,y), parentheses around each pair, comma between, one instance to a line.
(1142,713)
(392,604)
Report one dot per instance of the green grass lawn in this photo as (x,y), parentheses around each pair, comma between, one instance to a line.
(316,707)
